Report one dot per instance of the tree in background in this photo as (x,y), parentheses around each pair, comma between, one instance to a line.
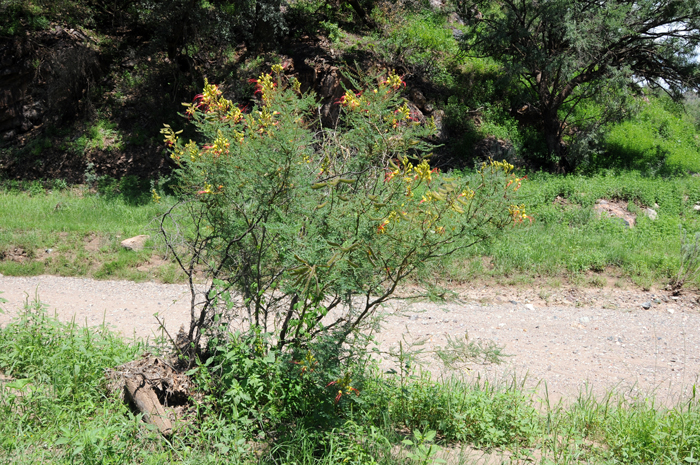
(565,52)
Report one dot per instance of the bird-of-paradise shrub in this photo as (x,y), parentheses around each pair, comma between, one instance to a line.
(300,231)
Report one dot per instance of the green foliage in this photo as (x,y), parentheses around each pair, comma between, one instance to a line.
(479,413)
(419,41)
(18,16)
(57,410)
(660,138)
(40,349)
(97,135)
(568,236)
(332,215)
(563,53)
(131,189)
(332,30)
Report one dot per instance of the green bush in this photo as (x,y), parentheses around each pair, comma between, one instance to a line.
(300,222)
(420,42)
(661,138)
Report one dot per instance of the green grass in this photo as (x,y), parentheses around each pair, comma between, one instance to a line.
(59,410)
(70,232)
(662,137)
(567,237)
(74,211)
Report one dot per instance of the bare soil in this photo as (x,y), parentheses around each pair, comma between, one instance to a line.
(569,338)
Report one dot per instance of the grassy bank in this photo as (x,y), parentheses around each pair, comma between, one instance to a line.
(57,409)
(72,232)
(567,239)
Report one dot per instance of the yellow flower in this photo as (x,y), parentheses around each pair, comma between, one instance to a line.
(155,196)
(423,171)
(394,81)
(467,193)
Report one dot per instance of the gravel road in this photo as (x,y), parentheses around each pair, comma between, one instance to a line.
(570,338)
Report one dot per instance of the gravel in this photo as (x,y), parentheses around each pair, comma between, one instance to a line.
(572,339)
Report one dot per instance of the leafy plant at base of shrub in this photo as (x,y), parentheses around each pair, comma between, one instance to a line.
(301,232)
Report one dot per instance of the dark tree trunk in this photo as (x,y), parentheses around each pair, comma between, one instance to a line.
(552,129)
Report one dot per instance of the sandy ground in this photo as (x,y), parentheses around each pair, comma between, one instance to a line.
(568,338)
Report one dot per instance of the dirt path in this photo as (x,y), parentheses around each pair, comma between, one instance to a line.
(566,337)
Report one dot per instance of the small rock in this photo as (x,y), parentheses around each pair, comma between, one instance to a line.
(514,302)
(49,250)
(651,213)
(135,243)
(584,319)
(418,98)
(529,306)
(696,208)
(646,305)
(670,310)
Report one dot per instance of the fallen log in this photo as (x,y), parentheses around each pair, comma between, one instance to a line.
(146,401)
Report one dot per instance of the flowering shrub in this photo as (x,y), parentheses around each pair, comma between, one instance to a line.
(302,232)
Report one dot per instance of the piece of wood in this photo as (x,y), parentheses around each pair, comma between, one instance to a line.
(143,397)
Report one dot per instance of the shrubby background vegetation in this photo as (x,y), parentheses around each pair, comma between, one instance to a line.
(301,192)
